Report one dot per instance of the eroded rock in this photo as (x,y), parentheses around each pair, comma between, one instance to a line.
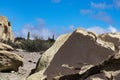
(10,61)
(112,38)
(76,49)
(110,68)
(5,47)
(5,30)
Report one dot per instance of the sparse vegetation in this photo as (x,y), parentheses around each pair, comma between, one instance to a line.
(35,45)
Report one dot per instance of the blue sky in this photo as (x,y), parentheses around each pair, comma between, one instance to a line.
(47,17)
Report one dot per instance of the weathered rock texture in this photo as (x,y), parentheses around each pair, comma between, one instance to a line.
(5,29)
(69,53)
(5,47)
(10,61)
(110,67)
(113,38)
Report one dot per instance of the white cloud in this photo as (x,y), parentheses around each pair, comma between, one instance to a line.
(56,1)
(86,11)
(71,27)
(116,3)
(100,30)
(42,31)
(101,5)
(103,16)
(39,29)
(112,29)
(40,21)
(97,29)
(68,29)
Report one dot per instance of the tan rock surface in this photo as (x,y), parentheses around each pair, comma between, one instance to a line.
(10,61)
(5,29)
(113,38)
(29,62)
(5,47)
(74,49)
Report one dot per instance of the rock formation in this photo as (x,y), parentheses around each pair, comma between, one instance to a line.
(113,38)
(70,53)
(5,29)
(5,47)
(109,67)
(8,60)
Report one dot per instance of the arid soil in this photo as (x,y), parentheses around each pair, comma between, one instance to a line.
(30,60)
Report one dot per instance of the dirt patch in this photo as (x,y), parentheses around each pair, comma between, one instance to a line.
(30,61)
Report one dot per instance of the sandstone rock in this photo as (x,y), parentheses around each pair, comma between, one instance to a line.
(10,61)
(110,67)
(96,78)
(5,29)
(74,49)
(5,47)
(100,76)
(113,38)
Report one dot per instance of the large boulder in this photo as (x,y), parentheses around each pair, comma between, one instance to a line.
(5,29)
(71,51)
(10,61)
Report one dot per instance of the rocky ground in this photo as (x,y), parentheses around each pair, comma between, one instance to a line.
(30,60)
